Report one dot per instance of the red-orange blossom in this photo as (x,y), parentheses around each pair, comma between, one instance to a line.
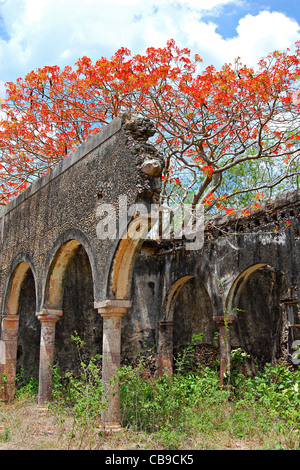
(208,121)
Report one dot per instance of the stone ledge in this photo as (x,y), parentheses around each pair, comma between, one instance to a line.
(268,207)
(113,303)
(287,198)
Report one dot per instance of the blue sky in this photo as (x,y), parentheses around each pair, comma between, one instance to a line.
(228,21)
(57,32)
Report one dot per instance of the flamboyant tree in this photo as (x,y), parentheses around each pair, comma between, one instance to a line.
(223,133)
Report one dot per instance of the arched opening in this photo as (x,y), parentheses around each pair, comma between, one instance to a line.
(57,272)
(79,318)
(260,326)
(129,246)
(28,348)
(172,296)
(70,289)
(20,329)
(11,300)
(187,312)
(193,315)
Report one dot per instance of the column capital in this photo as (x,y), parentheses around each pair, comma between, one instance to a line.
(288,301)
(7,317)
(113,307)
(165,324)
(222,320)
(49,315)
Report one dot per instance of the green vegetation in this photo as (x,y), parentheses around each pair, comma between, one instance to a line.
(79,397)
(263,411)
(26,386)
(188,410)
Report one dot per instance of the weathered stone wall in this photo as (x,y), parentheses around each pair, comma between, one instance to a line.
(247,266)
(52,261)
(255,258)
(62,205)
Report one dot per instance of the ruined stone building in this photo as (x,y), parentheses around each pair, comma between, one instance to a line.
(122,294)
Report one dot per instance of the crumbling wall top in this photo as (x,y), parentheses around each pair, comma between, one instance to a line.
(269,215)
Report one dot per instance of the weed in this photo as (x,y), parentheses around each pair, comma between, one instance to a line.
(26,386)
(5,435)
(188,410)
(80,398)
(184,359)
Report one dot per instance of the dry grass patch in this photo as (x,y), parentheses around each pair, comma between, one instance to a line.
(26,426)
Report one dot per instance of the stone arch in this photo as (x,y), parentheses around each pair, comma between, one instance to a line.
(64,251)
(56,273)
(79,317)
(238,284)
(180,319)
(123,261)
(165,328)
(61,255)
(172,294)
(21,271)
(260,326)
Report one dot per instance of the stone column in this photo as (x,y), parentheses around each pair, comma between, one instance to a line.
(48,319)
(10,327)
(289,307)
(112,312)
(165,348)
(224,323)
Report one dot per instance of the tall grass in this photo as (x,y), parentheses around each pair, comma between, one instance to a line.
(187,410)
(263,410)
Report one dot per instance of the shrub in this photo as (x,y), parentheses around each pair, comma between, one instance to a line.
(26,387)
(187,406)
(276,389)
(79,398)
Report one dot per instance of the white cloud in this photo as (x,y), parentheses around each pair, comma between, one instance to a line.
(256,36)
(264,33)
(49,32)
(43,32)
(209,4)
(197,5)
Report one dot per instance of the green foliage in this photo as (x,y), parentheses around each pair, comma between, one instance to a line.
(176,407)
(184,359)
(276,389)
(167,405)
(5,436)
(175,410)
(79,397)
(26,386)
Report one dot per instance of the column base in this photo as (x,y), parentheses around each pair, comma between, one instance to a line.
(41,408)
(110,428)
